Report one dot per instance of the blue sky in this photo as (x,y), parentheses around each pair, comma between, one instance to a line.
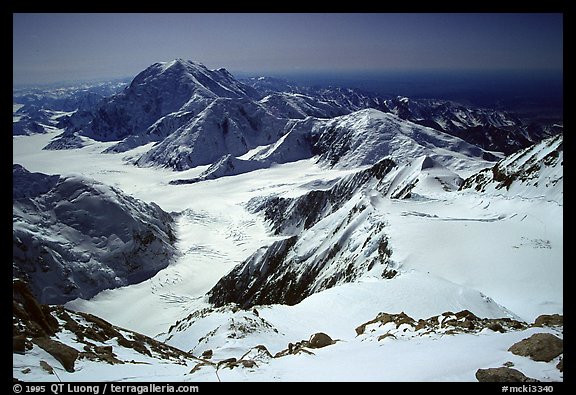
(61,47)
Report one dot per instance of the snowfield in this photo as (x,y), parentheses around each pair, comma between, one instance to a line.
(188,226)
(494,254)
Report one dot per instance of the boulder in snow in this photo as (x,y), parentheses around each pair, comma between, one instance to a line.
(539,347)
(319,340)
(502,375)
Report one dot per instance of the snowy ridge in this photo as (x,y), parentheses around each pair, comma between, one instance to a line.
(226,126)
(336,237)
(422,174)
(366,136)
(299,106)
(73,237)
(536,171)
(489,129)
(290,270)
(225,167)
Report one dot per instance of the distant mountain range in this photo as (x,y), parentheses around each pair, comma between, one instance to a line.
(383,219)
(196,116)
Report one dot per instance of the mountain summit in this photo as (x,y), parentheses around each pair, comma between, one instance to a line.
(161,89)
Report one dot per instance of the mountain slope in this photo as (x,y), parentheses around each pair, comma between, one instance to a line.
(353,229)
(490,129)
(225,126)
(51,341)
(336,236)
(161,89)
(299,106)
(495,256)
(73,237)
(536,171)
(365,137)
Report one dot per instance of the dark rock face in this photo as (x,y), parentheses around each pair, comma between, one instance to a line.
(37,318)
(66,355)
(253,283)
(502,375)
(317,340)
(539,347)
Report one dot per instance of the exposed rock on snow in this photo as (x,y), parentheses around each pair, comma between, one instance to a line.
(65,354)
(74,338)
(319,340)
(539,347)
(401,325)
(535,171)
(252,359)
(503,375)
(549,320)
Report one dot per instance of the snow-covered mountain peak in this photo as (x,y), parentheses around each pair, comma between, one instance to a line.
(211,83)
(179,62)
(162,89)
(366,136)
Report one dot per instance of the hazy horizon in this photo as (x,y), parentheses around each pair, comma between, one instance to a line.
(50,48)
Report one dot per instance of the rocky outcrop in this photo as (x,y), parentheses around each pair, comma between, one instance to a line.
(319,340)
(531,172)
(64,354)
(502,375)
(46,327)
(289,270)
(401,325)
(539,347)
(549,320)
